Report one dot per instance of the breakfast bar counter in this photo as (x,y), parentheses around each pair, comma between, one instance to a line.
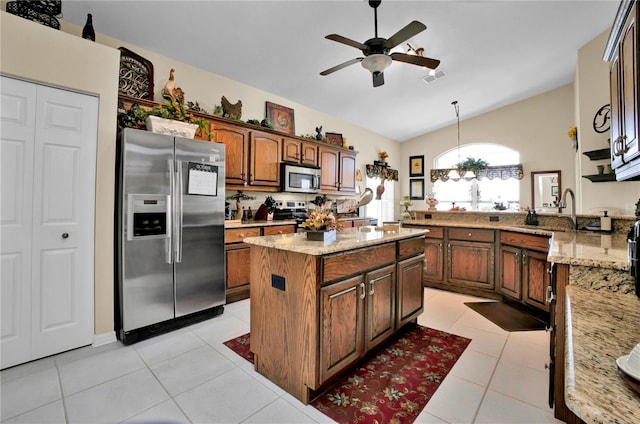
(601,327)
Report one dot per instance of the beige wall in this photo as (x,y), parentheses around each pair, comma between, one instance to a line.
(536,127)
(63,59)
(40,54)
(592,92)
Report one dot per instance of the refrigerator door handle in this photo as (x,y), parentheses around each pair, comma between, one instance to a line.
(169,239)
(178,211)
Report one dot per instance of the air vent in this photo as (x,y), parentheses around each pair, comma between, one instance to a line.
(432,78)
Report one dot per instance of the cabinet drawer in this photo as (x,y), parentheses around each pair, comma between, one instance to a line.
(471,234)
(236,235)
(528,241)
(279,229)
(434,232)
(411,247)
(349,263)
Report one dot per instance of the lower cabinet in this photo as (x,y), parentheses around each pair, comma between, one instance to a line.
(471,264)
(237,258)
(523,270)
(410,299)
(433,270)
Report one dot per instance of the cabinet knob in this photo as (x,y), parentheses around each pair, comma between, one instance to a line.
(550,296)
(364,291)
(469,234)
(547,366)
(548,328)
(65,235)
(241,235)
(280,232)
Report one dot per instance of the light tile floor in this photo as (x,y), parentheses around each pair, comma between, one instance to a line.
(190,376)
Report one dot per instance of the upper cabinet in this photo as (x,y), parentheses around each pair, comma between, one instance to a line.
(622,53)
(338,170)
(264,159)
(236,141)
(302,152)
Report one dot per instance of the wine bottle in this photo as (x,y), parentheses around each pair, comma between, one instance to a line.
(87,32)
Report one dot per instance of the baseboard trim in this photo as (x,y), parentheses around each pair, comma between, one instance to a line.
(104,339)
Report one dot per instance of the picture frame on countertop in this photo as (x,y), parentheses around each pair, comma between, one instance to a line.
(416,188)
(135,76)
(416,166)
(281,117)
(334,138)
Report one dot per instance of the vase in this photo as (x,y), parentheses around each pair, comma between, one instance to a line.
(170,127)
(325,236)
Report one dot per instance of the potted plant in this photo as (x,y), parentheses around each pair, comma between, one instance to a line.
(172,118)
(471,164)
(321,225)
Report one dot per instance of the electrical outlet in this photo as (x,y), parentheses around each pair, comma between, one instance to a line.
(277,282)
(428,216)
(493,218)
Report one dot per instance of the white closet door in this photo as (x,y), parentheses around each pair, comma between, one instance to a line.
(61,169)
(17,132)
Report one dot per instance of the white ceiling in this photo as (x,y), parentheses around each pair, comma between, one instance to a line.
(494,52)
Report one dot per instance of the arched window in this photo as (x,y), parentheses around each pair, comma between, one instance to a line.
(485,194)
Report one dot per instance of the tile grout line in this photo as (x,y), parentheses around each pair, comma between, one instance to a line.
(475,416)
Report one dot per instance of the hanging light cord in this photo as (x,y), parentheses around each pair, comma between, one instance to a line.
(457,109)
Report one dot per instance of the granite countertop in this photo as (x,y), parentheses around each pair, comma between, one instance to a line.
(236,223)
(589,249)
(507,226)
(348,239)
(601,326)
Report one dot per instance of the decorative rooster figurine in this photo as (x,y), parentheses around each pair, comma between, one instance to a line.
(230,110)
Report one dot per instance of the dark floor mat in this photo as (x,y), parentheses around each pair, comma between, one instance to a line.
(507,317)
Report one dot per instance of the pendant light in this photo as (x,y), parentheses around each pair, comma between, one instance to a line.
(454,174)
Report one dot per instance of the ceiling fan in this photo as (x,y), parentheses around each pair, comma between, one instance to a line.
(376,50)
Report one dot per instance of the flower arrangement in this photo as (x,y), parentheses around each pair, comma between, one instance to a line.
(383,156)
(321,220)
(573,133)
(432,202)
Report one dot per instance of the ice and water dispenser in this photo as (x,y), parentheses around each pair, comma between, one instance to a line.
(148,216)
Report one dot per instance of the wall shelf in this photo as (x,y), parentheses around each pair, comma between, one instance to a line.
(601,177)
(598,154)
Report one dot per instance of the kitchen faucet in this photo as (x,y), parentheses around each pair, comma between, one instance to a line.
(563,204)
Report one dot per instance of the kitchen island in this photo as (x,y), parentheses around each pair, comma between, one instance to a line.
(317,308)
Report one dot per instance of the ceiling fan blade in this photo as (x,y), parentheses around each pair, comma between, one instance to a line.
(342,65)
(404,34)
(347,41)
(427,62)
(378,79)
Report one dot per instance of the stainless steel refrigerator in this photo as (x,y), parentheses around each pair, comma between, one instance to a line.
(170,233)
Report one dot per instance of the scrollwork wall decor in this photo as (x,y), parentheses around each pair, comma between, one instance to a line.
(602,119)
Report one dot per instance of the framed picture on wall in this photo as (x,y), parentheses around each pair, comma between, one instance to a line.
(554,190)
(281,117)
(416,188)
(416,166)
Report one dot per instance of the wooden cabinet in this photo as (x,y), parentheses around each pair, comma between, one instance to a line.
(342,339)
(434,256)
(238,259)
(410,301)
(523,268)
(380,319)
(236,141)
(622,53)
(252,157)
(264,159)
(338,170)
(296,151)
(470,256)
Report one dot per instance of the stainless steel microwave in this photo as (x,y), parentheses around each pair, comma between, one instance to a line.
(300,179)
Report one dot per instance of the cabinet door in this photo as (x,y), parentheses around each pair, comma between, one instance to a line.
(616,112)
(433,269)
(236,141)
(347,172)
(471,264)
(342,326)
(309,153)
(628,63)
(237,265)
(535,279)
(410,291)
(329,169)
(381,290)
(291,150)
(509,279)
(265,160)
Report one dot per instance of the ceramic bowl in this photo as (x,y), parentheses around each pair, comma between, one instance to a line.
(633,360)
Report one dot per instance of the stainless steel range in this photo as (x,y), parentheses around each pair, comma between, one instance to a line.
(290,209)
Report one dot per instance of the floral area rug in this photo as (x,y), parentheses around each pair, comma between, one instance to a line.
(393,385)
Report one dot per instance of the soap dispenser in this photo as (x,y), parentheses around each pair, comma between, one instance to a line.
(605,222)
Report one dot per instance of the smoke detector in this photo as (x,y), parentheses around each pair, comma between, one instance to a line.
(433,76)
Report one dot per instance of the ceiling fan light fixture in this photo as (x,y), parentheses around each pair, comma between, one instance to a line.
(376,62)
